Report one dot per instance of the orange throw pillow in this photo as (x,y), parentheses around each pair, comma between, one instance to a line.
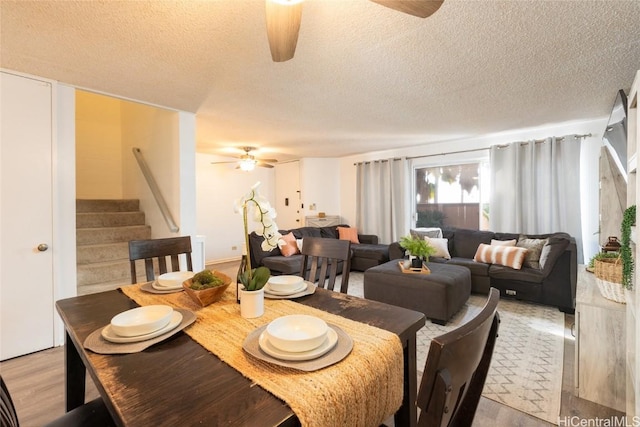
(348,233)
(290,247)
(509,256)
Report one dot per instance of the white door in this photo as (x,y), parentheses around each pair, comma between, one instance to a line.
(26,269)
(288,195)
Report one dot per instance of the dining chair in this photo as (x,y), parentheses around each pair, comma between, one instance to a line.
(321,257)
(159,249)
(456,369)
(94,413)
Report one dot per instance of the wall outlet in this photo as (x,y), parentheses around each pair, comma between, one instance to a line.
(234,248)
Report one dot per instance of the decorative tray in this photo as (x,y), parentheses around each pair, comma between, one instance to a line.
(423,270)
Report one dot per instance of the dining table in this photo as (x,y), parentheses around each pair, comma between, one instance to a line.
(178,379)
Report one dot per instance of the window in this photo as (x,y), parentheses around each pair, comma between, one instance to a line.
(453,196)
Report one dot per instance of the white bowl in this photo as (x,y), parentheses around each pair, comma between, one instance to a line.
(285,283)
(174,279)
(141,320)
(297,332)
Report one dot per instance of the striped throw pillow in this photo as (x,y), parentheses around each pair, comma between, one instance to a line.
(509,256)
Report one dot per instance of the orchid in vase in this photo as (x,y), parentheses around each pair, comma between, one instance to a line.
(264,215)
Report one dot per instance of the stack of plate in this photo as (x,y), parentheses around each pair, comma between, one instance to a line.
(171,281)
(297,337)
(285,285)
(142,323)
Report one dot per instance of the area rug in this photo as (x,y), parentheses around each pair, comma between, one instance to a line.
(526,368)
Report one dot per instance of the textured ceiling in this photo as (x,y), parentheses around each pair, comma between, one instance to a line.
(364,77)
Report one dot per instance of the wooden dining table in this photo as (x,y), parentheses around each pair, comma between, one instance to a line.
(179,382)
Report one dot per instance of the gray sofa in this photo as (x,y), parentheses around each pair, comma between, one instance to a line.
(554,284)
(366,254)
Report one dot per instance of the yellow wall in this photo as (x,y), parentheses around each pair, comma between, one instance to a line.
(98,147)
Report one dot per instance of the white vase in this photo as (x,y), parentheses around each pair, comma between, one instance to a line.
(251,303)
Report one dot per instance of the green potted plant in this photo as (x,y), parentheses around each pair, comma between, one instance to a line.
(418,248)
(628,221)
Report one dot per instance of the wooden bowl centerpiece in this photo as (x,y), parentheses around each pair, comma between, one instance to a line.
(207,286)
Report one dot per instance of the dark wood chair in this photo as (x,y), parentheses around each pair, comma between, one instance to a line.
(456,369)
(94,413)
(320,260)
(159,249)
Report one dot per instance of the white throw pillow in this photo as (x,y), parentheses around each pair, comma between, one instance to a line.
(503,242)
(299,244)
(441,246)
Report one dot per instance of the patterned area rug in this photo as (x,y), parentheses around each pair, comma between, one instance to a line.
(526,368)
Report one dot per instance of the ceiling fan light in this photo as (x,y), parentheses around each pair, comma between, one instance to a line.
(247,164)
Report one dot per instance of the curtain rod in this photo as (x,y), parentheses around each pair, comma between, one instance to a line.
(540,141)
(537,141)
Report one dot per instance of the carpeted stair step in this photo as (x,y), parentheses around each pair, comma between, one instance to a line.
(109,219)
(104,272)
(87,254)
(91,236)
(104,205)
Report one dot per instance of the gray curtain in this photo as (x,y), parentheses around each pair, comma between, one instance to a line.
(535,188)
(382,196)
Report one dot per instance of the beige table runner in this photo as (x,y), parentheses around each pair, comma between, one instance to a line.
(362,390)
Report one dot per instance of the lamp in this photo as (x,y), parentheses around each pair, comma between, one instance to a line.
(248,164)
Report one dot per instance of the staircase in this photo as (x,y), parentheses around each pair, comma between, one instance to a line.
(103,230)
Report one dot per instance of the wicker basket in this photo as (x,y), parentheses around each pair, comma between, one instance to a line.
(608,274)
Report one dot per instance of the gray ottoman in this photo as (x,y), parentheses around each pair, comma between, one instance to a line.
(438,295)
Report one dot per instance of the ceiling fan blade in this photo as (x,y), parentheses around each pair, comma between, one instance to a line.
(419,8)
(221,163)
(268,160)
(263,164)
(283,25)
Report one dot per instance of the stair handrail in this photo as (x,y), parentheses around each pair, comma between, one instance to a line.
(155,190)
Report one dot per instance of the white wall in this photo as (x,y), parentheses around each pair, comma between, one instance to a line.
(320,183)
(217,188)
(588,174)
(98,146)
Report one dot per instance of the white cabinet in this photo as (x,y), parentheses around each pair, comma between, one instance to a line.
(632,317)
(327,221)
(600,351)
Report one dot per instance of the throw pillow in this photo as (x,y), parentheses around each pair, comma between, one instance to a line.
(299,244)
(348,233)
(509,256)
(426,232)
(534,248)
(503,242)
(289,247)
(441,246)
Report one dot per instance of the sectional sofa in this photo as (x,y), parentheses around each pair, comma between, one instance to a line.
(550,279)
(365,254)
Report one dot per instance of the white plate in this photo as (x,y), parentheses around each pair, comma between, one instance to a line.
(109,335)
(300,288)
(173,280)
(328,344)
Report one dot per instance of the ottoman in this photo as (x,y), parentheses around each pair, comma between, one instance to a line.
(438,295)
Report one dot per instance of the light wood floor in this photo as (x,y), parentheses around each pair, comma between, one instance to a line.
(36,383)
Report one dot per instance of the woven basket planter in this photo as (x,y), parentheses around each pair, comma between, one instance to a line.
(608,274)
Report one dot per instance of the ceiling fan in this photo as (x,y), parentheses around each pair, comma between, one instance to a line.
(283,21)
(247,161)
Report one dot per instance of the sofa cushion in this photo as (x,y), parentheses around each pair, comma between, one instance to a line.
(284,265)
(511,242)
(466,242)
(303,232)
(256,252)
(534,249)
(525,274)
(551,251)
(476,268)
(510,256)
(377,252)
